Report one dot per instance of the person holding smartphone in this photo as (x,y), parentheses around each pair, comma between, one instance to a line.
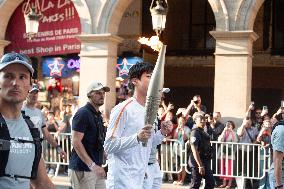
(195,105)
(227,162)
(279,115)
(264,138)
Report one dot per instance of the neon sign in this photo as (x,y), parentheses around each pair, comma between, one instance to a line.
(59,67)
(72,63)
(124,64)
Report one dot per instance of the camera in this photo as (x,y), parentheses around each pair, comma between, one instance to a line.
(228,124)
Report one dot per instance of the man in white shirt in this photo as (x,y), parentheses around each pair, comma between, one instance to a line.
(127,157)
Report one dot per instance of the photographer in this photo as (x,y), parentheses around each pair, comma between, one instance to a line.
(279,115)
(247,134)
(194,106)
(264,138)
(255,114)
(227,163)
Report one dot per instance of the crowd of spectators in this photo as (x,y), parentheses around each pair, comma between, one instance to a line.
(256,128)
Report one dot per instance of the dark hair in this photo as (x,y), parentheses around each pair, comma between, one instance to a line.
(137,70)
(196,96)
(231,123)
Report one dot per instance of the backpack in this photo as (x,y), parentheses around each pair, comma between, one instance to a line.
(5,141)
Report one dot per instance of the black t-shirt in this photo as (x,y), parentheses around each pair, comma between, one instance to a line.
(217,131)
(201,141)
(88,121)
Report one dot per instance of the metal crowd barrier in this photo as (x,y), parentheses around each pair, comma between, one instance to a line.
(50,155)
(249,161)
(236,160)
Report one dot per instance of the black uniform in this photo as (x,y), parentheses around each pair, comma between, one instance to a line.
(201,141)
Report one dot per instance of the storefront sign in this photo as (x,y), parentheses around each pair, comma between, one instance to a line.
(58,67)
(124,64)
(59,23)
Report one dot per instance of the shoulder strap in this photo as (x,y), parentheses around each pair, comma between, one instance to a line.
(118,118)
(37,141)
(27,120)
(249,136)
(5,135)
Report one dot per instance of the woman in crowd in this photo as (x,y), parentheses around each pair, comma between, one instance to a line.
(181,133)
(228,155)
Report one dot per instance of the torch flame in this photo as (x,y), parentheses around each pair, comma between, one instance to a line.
(153,42)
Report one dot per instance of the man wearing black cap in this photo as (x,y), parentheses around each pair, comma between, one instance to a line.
(20,154)
(88,134)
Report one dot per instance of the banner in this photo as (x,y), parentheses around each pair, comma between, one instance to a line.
(58,24)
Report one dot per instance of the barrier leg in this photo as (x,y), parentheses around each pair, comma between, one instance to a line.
(57,169)
(240,183)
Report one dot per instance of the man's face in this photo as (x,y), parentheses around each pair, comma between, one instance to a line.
(32,97)
(258,113)
(216,116)
(200,121)
(143,83)
(14,83)
(97,97)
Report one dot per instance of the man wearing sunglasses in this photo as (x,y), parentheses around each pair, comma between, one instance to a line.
(20,161)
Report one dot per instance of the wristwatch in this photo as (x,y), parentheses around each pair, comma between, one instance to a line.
(280,186)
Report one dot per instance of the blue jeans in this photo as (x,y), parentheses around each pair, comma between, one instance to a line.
(263,183)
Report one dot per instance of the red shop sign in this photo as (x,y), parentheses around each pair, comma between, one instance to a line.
(59,23)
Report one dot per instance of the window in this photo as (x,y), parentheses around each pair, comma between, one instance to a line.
(187,28)
(278,27)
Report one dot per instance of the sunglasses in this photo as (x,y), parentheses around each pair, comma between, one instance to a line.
(9,57)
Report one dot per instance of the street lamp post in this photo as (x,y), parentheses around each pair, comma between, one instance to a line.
(159,15)
(154,92)
(32,23)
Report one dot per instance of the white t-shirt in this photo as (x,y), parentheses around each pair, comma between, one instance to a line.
(36,117)
(21,156)
(127,158)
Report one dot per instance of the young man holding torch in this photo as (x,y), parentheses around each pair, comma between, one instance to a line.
(127,156)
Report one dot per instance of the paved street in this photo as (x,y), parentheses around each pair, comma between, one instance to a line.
(62,182)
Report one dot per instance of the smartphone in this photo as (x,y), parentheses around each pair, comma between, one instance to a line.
(264,108)
(282,103)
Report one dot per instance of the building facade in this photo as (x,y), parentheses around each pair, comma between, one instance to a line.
(237,59)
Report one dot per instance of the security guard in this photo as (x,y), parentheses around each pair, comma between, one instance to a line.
(201,154)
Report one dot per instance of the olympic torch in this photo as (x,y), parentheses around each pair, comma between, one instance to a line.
(155,88)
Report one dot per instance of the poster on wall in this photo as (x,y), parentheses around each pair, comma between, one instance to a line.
(59,23)
(58,67)
(124,64)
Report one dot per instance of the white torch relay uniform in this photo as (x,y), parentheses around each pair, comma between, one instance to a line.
(127,158)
